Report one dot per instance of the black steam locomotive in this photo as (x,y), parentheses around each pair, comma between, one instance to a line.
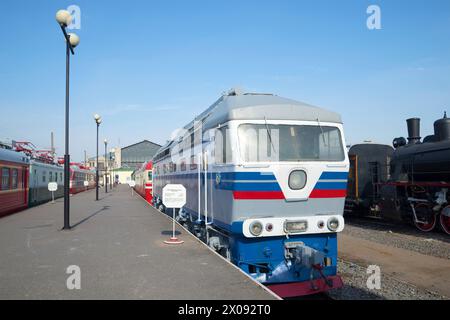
(410,183)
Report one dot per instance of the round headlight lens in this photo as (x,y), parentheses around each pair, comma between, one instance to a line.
(333,224)
(256,228)
(297,179)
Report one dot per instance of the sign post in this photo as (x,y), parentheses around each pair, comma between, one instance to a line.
(132,184)
(174,196)
(52,187)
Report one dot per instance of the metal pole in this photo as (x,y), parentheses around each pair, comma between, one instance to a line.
(106,169)
(173,223)
(96,169)
(66,155)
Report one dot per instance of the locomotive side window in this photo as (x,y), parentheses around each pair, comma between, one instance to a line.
(193,164)
(14,179)
(5,178)
(272,143)
(222,147)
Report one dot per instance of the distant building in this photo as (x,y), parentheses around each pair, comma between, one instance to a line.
(123,161)
(136,154)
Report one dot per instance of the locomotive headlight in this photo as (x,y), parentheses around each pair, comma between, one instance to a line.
(295,226)
(297,179)
(256,228)
(333,224)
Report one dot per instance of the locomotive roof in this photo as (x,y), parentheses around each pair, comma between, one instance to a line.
(253,106)
(235,105)
(13,156)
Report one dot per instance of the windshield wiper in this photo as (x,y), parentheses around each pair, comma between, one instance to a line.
(268,133)
(323,136)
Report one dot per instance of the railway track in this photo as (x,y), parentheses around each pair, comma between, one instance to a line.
(397,227)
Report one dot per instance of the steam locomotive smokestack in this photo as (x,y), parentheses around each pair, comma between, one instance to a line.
(413,130)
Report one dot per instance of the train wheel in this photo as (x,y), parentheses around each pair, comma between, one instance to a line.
(425,216)
(445,219)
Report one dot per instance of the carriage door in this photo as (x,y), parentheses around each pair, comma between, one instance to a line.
(204,184)
(205,179)
(375,174)
(353,178)
(25,183)
(35,185)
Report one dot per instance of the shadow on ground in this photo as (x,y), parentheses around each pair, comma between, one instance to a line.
(90,216)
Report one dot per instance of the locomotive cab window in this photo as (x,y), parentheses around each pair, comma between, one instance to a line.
(273,143)
(222,148)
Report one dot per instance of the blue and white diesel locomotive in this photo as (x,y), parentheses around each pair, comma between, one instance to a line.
(266,184)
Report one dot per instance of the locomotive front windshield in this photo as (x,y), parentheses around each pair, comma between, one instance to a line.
(283,143)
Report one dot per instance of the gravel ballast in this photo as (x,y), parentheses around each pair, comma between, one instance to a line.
(402,236)
(355,286)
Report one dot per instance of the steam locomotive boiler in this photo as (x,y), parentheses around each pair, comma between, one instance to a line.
(418,188)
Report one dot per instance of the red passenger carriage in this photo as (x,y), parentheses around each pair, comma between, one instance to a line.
(13,181)
(143,178)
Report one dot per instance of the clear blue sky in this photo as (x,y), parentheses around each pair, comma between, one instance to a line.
(149,66)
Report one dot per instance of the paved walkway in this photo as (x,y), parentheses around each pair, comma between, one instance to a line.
(423,271)
(118,244)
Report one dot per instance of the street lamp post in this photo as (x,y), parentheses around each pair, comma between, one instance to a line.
(98,120)
(113,158)
(106,167)
(64,18)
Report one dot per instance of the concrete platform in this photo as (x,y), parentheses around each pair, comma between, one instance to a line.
(118,244)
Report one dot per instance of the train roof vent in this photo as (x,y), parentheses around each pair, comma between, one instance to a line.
(239,92)
(234,92)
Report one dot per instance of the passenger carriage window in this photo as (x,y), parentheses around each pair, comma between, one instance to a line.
(193,164)
(192,141)
(50,176)
(60,177)
(5,178)
(14,178)
(271,143)
(44,176)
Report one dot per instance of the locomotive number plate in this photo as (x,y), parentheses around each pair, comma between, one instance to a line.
(293,244)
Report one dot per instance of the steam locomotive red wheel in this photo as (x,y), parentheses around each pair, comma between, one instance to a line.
(445,219)
(425,216)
